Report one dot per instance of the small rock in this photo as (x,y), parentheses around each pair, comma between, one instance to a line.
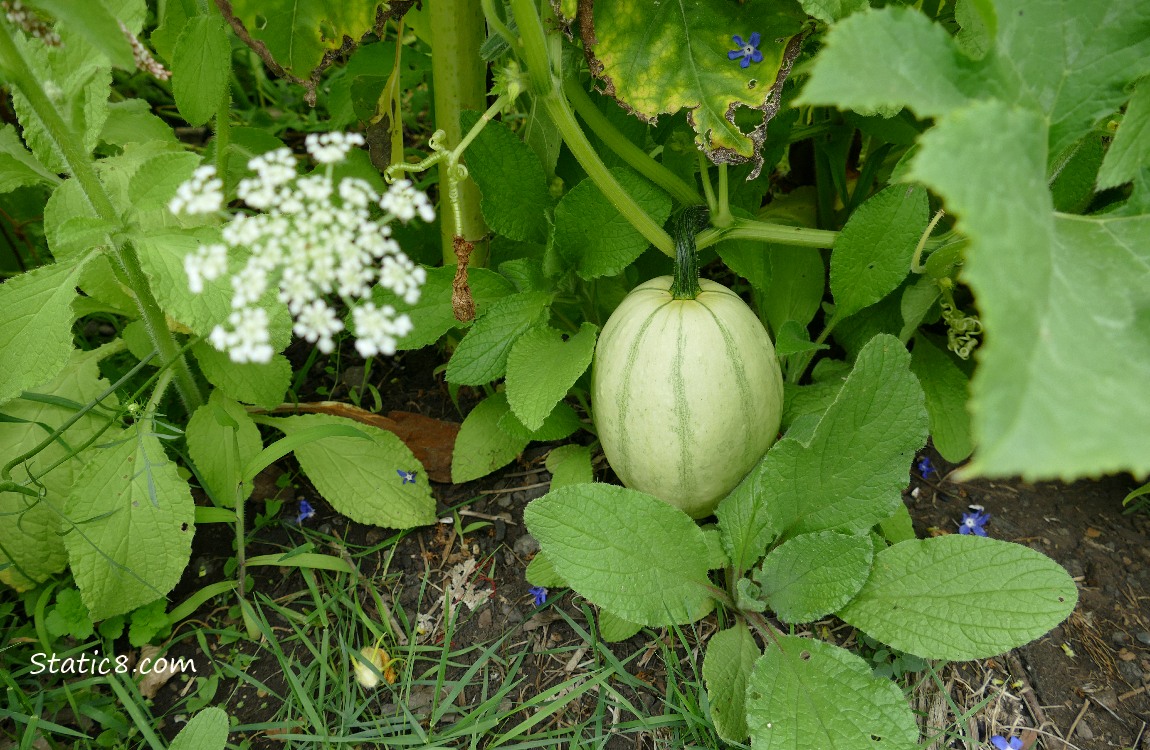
(503,501)
(1143,637)
(500,531)
(485,618)
(1130,672)
(525,545)
(1074,567)
(1118,638)
(1084,731)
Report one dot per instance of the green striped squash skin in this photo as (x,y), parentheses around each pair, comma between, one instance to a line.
(687,394)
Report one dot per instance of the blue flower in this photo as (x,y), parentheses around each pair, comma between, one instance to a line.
(408,477)
(973,523)
(925,467)
(748,50)
(1000,742)
(305,511)
(539,593)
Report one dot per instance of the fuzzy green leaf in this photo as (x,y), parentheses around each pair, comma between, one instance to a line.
(132,520)
(208,730)
(613,628)
(961,597)
(481,356)
(797,283)
(201,64)
(360,477)
(872,254)
(256,383)
(561,423)
(731,655)
(1066,297)
(540,572)
(570,464)
(432,316)
(852,472)
(36,325)
(33,540)
(222,438)
(663,58)
(630,553)
(542,367)
(18,167)
(805,693)
(514,187)
(946,388)
(812,575)
(95,24)
(481,446)
(593,236)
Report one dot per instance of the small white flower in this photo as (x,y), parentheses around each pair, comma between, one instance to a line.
(208,263)
(403,202)
(317,322)
(202,194)
(329,148)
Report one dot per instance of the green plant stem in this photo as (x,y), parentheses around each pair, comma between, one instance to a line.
(497,25)
(79,165)
(636,157)
(915,265)
(723,217)
(685,283)
(545,86)
(241,541)
(781,234)
(459,82)
(705,175)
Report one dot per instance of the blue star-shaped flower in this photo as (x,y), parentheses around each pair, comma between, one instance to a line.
(408,477)
(305,511)
(539,593)
(748,50)
(1000,742)
(925,467)
(973,523)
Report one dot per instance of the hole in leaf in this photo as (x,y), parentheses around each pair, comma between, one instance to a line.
(756,696)
(184,526)
(875,738)
(805,655)
(261,21)
(751,84)
(1061,598)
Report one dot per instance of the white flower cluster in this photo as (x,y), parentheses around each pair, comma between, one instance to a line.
(143,56)
(28,20)
(308,238)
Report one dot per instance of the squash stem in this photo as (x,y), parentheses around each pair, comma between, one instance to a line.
(685,284)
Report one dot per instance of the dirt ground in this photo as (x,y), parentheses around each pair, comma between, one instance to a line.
(1084,685)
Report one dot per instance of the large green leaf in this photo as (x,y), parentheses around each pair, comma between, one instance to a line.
(812,575)
(481,446)
(542,367)
(731,655)
(593,236)
(18,167)
(36,325)
(208,730)
(872,254)
(482,354)
(805,693)
(201,64)
(961,597)
(222,438)
(661,58)
(632,554)
(1130,150)
(258,383)
(131,524)
(298,33)
(1065,299)
(514,187)
(32,538)
(946,388)
(361,478)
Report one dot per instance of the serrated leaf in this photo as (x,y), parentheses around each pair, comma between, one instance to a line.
(570,464)
(132,121)
(630,553)
(961,597)
(32,534)
(221,438)
(872,254)
(481,356)
(208,730)
(299,33)
(201,64)
(744,526)
(542,367)
(360,477)
(132,521)
(681,51)
(256,383)
(516,200)
(731,655)
(851,474)
(156,181)
(161,256)
(18,167)
(481,447)
(946,388)
(716,554)
(36,325)
(1062,326)
(805,693)
(432,316)
(1130,149)
(562,422)
(593,236)
(614,629)
(811,575)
